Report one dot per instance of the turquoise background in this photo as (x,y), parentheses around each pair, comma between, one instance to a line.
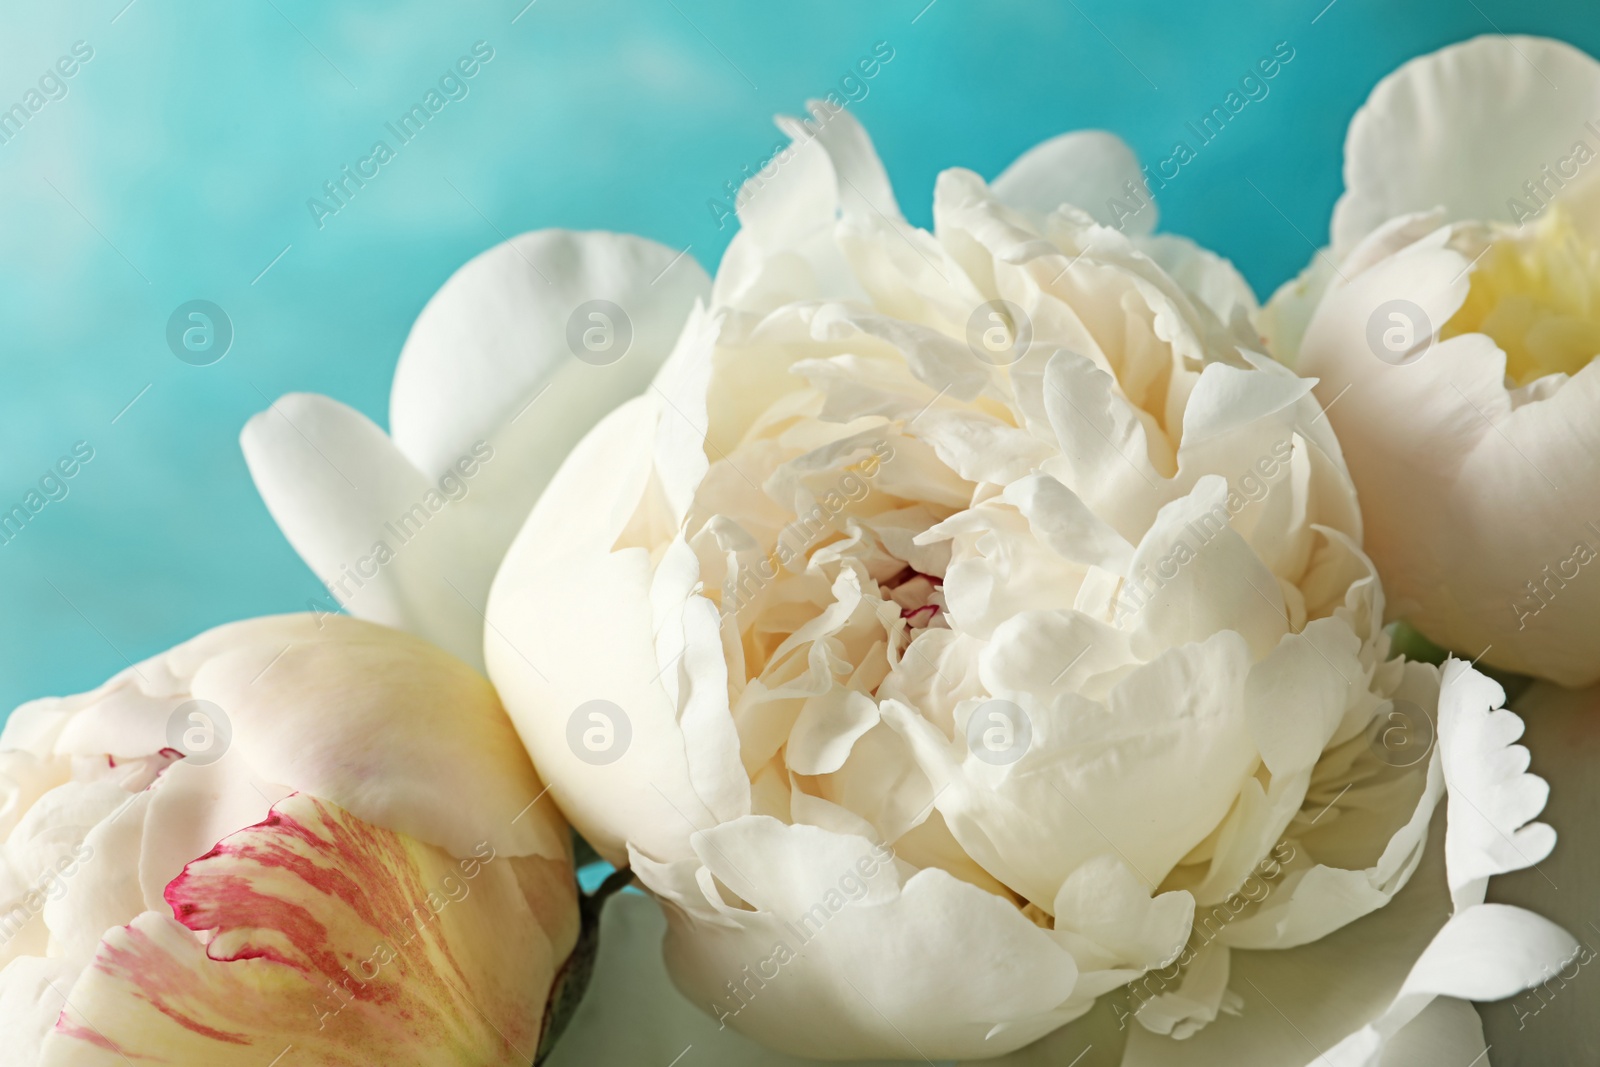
(179,163)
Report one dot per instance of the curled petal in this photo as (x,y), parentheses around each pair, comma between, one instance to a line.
(1493,801)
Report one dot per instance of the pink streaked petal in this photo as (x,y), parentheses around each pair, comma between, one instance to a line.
(348,943)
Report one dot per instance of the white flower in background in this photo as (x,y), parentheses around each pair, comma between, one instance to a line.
(1453,326)
(967,625)
(513,360)
(279,833)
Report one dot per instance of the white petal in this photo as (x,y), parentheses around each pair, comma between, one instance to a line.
(863,183)
(1193,575)
(1088,169)
(1484,951)
(1104,445)
(1212,281)
(1464,128)
(100,889)
(1489,951)
(497,332)
(632,1013)
(1493,801)
(827,728)
(487,398)
(1169,738)
(1451,416)
(1046,654)
(785,212)
(1301,1002)
(1106,902)
(1227,399)
(1360,858)
(33,992)
(348,711)
(833,901)
(338,488)
(1447,1033)
(1553,1021)
(1200,994)
(785,250)
(1295,697)
(25,775)
(393,546)
(1062,521)
(570,622)
(1288,312)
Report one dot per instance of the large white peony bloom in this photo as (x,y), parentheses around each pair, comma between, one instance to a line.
(970,627)
(261,839)
(1453,325)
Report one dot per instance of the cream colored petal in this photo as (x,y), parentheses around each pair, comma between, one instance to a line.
(1493,801)
(32,994)
(1301,1002)
(1089,169)
(1211,280)
(1465,128)
(823,904)
(570,622)
(499,330)
(346,709)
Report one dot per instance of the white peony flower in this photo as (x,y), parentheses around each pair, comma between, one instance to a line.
(1453,326)
(969,628)
(259,840)
(513,360)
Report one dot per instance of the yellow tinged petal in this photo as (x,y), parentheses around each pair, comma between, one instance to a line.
(316,932)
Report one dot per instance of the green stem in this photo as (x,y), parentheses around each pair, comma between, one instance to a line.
(573,979)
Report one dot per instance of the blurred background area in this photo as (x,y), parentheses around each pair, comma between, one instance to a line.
(175,164)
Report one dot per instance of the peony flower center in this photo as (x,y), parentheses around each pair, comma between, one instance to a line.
(1538,297)
(920,596)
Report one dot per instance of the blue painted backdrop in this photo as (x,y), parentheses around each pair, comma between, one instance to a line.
(175,164)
